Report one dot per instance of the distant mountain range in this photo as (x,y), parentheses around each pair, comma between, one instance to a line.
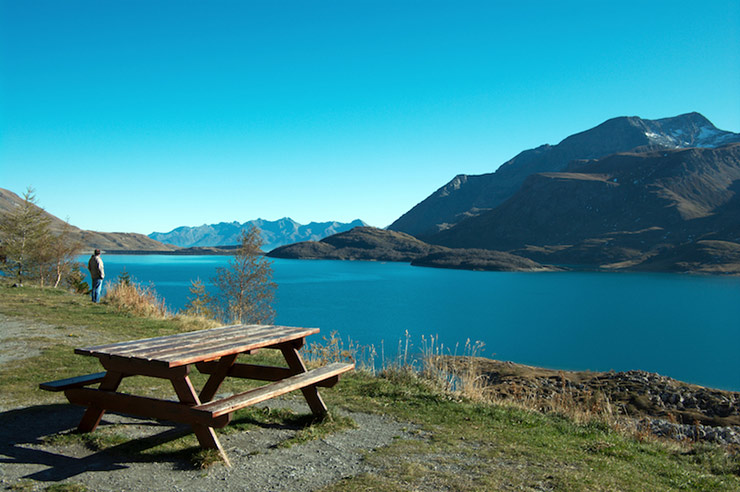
(658,195)
(274,233)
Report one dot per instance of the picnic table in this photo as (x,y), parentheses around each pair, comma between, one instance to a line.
(213,352)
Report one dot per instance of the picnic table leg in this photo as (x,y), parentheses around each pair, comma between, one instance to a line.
(206,435)
(93,414)
(310,393)
(217,377)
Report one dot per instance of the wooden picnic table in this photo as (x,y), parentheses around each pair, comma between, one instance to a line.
(213,352)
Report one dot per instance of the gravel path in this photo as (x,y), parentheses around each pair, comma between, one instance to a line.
(258,464)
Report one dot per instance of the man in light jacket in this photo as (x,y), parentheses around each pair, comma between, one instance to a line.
(97,273)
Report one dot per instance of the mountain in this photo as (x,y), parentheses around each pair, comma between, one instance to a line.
(360,243)
(369,243)
(665,209)
(471,195)
(274,233)
(107,241)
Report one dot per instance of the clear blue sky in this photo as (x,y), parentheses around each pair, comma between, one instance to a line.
(142,116)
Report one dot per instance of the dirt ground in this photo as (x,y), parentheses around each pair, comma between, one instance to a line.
(258,463)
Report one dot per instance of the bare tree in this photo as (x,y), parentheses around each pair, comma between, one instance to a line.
(60,253)
(246,286)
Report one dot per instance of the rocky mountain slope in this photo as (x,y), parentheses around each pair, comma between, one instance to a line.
(274,233)
(647,208)
(90,240)
(470,195)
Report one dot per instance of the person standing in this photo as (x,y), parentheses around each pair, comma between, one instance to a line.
(97,273)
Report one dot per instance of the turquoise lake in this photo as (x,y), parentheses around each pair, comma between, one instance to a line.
(685,327)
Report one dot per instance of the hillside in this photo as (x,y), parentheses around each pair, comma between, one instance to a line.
(274,233)
(621,210)
(361,243)
(470,195)
(368,243)
(118,241)
(480,259)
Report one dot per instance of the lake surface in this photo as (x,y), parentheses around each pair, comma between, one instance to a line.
(685,327)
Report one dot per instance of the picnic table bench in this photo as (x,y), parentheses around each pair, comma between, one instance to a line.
(213,352)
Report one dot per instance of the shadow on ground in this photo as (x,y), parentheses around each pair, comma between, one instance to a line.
(24,433)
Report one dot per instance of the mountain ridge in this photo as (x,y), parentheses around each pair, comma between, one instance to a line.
(621,211)
(274,233)
(466,196)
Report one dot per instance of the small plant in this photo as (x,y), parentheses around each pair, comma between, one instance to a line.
(22,486)
(314,427)
(66,487)
(94,441)
(206,458)
(124,278)
(76,280)
(201,304)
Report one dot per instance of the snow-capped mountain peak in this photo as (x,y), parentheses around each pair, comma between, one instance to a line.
(686,130)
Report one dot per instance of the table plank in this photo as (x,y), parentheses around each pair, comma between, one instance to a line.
(122,346)
(190,347)
(216,349)
(208,343)
(189,339)
(253,396)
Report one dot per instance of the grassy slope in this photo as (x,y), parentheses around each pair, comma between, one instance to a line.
(463,445)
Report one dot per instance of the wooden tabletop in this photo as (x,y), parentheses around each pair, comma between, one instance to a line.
(195,346)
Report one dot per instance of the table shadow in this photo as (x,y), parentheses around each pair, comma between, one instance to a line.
(23,434)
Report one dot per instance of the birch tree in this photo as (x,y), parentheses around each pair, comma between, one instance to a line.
(61,252)
(246,289)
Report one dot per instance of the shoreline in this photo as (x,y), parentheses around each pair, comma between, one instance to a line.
(228,251)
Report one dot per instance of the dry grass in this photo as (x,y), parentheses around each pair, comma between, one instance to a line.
(431,362)
(132,298)
(581,407)
(463,379)
(457,372)
(137,300)
(334,349)
(189,322)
